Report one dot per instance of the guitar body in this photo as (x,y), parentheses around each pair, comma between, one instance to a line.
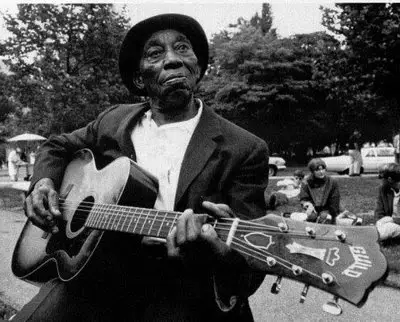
(40,256)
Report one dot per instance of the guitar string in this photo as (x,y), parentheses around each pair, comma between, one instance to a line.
(149,216)
(258,253)
(255,253)
(153,219)
(128,211)
(285,263)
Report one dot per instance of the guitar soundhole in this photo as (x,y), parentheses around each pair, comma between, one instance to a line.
(81,213)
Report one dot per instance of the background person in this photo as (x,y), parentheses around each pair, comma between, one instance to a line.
(290,189)
(320,196)
(396,145)
(195,154)
(355,154)
(387,211)
(14,161)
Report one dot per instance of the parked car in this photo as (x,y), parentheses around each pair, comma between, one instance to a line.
(373,158)
(276,164)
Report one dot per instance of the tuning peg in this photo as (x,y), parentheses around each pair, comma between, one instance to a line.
(310,231)
(297,270)
(283,227)
(327,278)
(333,307)
(276,287)
(340,235)
(304,293)
(271,261)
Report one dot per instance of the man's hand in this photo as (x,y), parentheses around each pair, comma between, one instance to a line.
(41,206)
(192,230)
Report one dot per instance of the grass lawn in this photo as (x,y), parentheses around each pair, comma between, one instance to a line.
(358,195)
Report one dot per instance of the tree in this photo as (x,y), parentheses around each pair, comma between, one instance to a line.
(365,76)
(64,58)
(267,84)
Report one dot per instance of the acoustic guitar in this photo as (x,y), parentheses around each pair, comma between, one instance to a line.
(344,261)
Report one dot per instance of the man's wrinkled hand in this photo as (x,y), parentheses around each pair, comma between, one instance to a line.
(41,206)
(194,230)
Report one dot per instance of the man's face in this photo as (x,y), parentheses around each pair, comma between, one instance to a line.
(169,68)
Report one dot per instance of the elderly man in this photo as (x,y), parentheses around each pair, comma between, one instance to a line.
(203,163)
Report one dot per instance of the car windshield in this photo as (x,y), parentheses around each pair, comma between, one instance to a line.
(385,152)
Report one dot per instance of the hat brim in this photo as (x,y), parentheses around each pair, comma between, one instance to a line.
(132,46)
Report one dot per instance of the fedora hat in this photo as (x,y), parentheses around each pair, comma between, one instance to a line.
(132,46)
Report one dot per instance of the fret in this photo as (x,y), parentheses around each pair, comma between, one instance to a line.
(102,218)
(107,216)
(144,222)
(89,218)
(120,216)
(96,216)
(172,223)
(155,215)
(126,216)
(133,216)
(113,221)
(162,223)
(137,220)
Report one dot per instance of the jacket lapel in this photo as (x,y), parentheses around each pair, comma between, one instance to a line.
(200,148)
(125,129)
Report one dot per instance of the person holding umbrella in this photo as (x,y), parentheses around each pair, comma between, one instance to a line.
(14,160)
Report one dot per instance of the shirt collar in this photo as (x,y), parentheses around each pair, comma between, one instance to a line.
(187,125)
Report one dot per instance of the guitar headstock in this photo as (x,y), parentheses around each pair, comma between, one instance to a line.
(344,261)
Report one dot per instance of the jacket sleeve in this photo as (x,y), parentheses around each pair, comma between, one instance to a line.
(55,153)
(334,200)
(236,281)
(245,192)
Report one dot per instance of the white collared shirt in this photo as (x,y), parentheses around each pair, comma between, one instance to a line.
(160,150)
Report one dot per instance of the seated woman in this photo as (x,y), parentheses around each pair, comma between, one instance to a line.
(320,196)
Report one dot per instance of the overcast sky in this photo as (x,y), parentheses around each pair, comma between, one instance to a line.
(289,17)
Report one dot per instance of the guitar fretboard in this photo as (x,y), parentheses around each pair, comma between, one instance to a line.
(133,220)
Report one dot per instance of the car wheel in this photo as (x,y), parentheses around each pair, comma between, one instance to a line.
(272,171)
(344,172)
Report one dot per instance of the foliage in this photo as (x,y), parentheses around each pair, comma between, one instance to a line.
(64,60)
(267,84)
(362,79)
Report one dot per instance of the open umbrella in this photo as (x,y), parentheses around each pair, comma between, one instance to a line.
(26,137)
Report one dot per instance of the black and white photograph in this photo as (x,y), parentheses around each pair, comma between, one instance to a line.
(199,161)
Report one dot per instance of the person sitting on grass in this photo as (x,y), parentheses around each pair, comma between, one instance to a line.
(290,189)
(320,196)
(387,211)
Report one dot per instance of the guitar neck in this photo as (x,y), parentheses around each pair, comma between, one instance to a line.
(140,221)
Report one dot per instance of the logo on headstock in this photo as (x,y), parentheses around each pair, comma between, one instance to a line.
(361,262)
(319,253)
(259,240)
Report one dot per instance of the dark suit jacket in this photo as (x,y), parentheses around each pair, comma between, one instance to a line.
(223,163)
